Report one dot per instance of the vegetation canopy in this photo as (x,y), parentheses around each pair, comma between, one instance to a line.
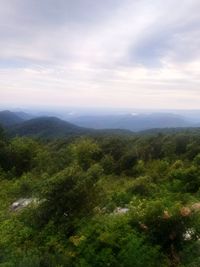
(120,201)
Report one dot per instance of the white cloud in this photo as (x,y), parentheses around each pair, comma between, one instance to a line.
(142,54)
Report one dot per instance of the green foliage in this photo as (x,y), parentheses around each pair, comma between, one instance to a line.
(142,186)
(101,201)
(86,152)
(197,160)
(21,153)
(127,163)
(70,194)
(108,164)
(111,241)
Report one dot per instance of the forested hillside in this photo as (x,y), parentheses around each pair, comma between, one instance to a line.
(8,118)
(120,201)
(47,128)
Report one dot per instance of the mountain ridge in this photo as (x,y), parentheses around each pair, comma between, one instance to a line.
(8,118)
(136,123)
(54,127)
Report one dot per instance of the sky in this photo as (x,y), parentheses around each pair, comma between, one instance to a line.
(100,53)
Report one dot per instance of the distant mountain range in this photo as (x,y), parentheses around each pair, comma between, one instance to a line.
(23,124)
(133,122)
(8,118)
(47,127)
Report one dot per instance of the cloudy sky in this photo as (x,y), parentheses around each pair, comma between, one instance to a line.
(100,53)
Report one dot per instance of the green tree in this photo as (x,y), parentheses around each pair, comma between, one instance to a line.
(86,152)
(70,194)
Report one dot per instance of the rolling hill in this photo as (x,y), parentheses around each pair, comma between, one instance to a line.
(132,122)
(52,127)
(8,118)
(47,127)
(19,124)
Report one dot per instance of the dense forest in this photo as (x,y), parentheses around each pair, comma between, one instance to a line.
(103,200)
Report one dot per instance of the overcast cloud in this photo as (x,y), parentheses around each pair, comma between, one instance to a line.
(113,53)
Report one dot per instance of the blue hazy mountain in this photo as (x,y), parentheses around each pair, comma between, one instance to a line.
(52,127)
(19,123)
(8,118)
(46,127)
(133,122)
